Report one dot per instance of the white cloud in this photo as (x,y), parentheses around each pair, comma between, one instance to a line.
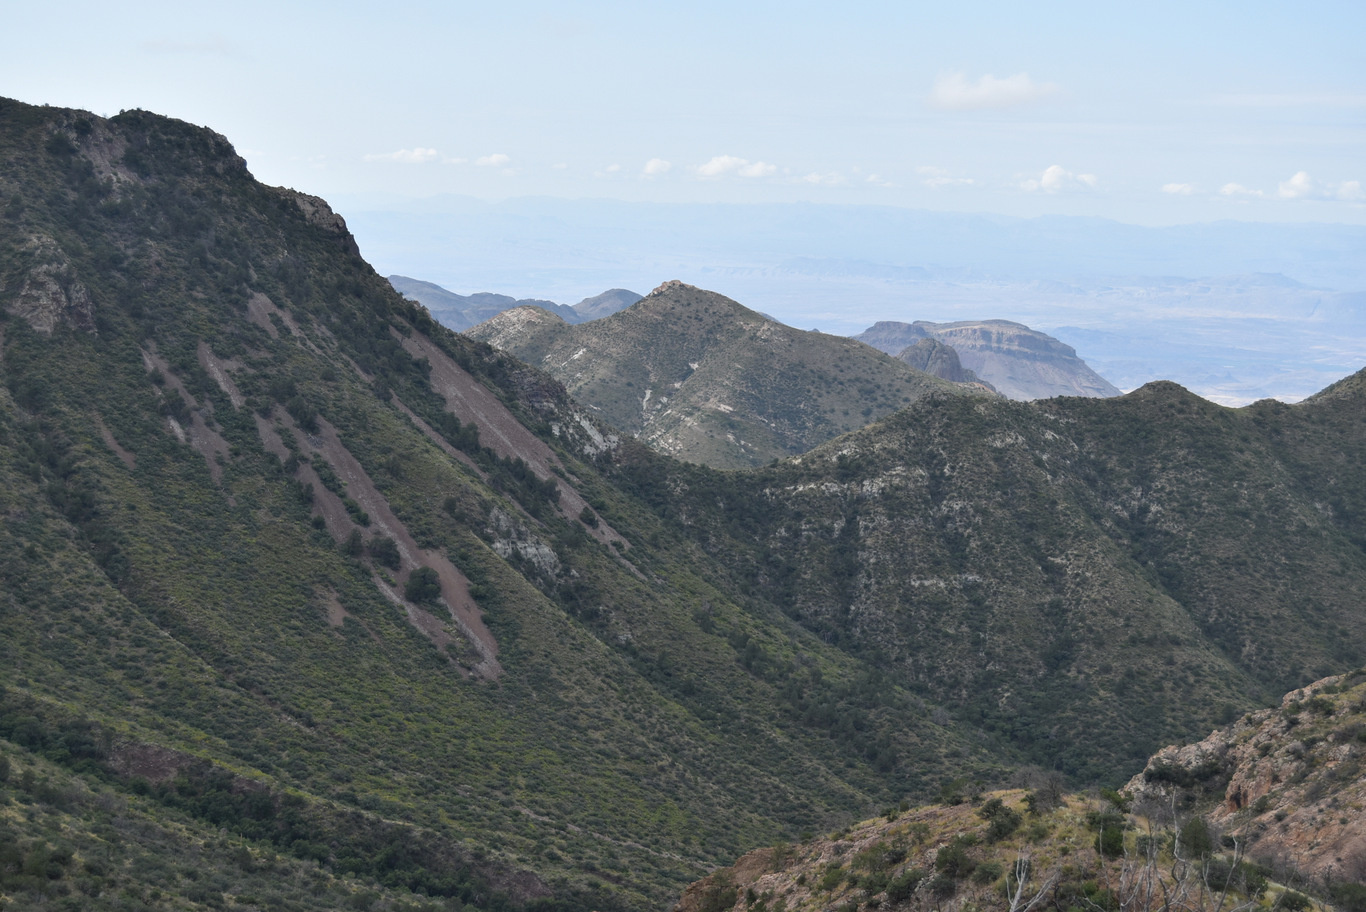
(560,166)
(829,179)
(878,181)
(1302,186)
(935,178)
(1299,186)
(496,160)
(655,166)
(1238,190)
(1179,189)
(613,169)
(719,165)
(1057,179)
(757,169)
(405,156)
(953,92)
(726,164)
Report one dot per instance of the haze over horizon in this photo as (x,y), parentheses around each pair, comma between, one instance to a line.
(876,156)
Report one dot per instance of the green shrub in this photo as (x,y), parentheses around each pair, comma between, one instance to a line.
(423,586)
(1194,840)
(900,888)
(384,551)
(1295,902)
(986,872)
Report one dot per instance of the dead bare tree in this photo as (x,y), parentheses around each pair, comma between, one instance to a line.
(1016,895)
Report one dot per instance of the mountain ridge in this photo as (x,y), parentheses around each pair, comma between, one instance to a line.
(703,378)
(460,312)
(254,503)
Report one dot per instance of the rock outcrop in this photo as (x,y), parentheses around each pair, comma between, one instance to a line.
(939,360)
(1288,781)
(51,294)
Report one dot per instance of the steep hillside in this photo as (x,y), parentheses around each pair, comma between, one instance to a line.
(294,577)
(1247,818)
(1087,578)
(1287,781)
(699,377)
(287,563)
(1018,362)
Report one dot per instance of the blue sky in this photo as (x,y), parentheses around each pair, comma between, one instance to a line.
(1156,113)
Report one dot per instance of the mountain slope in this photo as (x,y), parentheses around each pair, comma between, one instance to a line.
(940,360)
(1279,780)
(1245,819)
(289,559)
(291,568)
(1017,361)
(701,378)
(1087,578)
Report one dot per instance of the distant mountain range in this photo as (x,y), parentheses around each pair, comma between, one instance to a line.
(460,312)
(1018,362)
(1233,311)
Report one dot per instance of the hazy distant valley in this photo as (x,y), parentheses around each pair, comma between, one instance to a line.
(1262,310)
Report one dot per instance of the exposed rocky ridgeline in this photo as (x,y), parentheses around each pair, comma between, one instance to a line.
(1256,816)
(1289,783)
(460,312)
(697,376)
(1018,362)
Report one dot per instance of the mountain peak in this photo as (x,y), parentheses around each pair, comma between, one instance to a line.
(672,285)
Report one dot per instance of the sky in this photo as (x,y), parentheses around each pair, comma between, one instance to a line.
(1157,113)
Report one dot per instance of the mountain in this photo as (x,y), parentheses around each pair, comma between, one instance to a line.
(460,312)
(1085,578)
(308,601)
(1018,362)
(697,376)
(463,311)
(603,305)
(1173,838)
(939,360)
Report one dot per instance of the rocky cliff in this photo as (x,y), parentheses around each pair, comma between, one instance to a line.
(1019,362)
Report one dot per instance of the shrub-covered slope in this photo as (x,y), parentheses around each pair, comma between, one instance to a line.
(1086,578)
(290,564)
(1256,816)
(699,377)
(284,556)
